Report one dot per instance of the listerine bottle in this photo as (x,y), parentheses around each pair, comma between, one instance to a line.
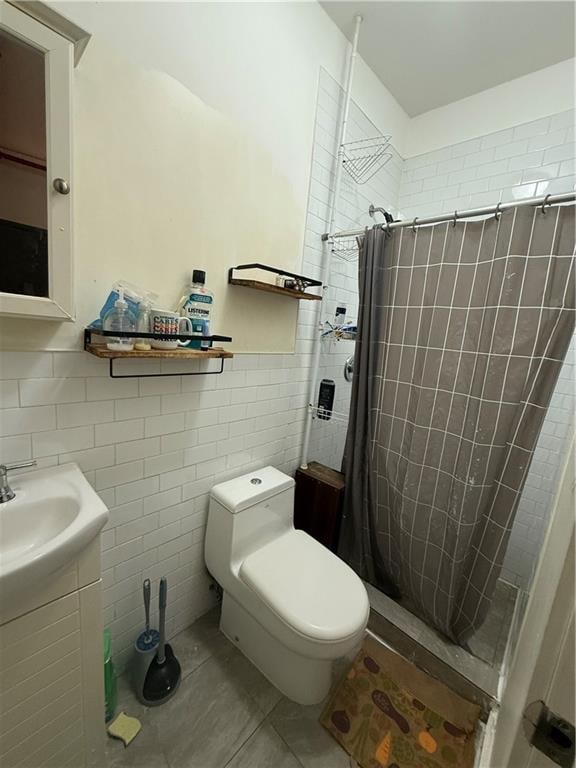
(198,305)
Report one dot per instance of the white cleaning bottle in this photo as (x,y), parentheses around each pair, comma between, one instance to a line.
(119,318)
(143,325)
(198,305)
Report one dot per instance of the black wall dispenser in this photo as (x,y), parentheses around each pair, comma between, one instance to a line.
(326,399)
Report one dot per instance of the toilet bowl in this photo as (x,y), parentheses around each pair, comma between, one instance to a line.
(290,605)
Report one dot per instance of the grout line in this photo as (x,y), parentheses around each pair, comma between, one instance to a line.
(246,740)
(281,737)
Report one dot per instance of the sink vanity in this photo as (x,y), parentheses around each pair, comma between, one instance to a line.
(51,647)
(51,664)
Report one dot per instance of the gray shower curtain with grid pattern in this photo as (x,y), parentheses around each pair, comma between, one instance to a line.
(462,333)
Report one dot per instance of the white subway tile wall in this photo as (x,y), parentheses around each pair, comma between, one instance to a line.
(153,447)
(328,437)
(535,158)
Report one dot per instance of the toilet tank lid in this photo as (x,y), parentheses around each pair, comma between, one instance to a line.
(251,489)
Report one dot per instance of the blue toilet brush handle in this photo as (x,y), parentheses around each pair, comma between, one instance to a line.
(161,656)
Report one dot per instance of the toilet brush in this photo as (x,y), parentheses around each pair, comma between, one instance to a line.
(150,637)
(164,673)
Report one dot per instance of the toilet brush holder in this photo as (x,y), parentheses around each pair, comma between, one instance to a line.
(141,662)
(164,673)
(156,672)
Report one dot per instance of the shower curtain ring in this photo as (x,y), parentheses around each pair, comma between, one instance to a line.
(388,228)
(414,224)
(455,217)
(545,203)
(497,213)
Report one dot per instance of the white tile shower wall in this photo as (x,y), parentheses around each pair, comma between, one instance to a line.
(532,159)
(328,437)
(535,158)
(152,448)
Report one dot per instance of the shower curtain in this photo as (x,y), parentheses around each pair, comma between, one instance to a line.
(462,332)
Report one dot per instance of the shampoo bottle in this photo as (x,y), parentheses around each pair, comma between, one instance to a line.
(198,304)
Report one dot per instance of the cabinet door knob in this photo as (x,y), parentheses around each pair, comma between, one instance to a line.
(61,186)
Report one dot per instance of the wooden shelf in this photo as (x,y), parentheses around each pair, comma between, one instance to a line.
(182,353)
(270,288)
(179,353)
(259,285)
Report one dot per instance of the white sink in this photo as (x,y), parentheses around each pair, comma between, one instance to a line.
(53,517)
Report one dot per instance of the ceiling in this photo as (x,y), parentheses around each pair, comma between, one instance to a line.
(432,53)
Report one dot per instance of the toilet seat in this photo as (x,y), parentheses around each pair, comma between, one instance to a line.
(308,588)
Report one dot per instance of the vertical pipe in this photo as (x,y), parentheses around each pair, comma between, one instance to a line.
(327,255)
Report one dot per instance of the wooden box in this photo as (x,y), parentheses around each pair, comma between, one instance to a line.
(318,503)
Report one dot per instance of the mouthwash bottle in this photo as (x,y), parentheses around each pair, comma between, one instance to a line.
(198,305)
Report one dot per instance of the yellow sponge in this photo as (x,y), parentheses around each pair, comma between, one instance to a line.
(124,728)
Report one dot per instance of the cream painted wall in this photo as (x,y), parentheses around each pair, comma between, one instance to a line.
(193,136)
(522,100)
(256,62)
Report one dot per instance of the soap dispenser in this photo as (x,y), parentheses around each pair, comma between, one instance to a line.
(119,318)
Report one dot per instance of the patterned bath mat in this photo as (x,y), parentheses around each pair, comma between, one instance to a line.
(386,713)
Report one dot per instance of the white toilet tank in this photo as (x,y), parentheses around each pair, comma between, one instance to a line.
(244,514)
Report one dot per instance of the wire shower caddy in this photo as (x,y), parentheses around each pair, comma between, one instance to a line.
(363,159)
(319,414)
(345,248)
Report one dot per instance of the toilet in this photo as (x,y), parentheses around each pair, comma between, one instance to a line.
(289,604)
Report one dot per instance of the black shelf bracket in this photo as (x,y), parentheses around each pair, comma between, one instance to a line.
(140,335)
(114,375)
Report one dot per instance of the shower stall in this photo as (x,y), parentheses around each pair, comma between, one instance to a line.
(344,202)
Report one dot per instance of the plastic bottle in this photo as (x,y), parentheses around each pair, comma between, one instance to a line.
(198,305)
(119,318)
(143,325)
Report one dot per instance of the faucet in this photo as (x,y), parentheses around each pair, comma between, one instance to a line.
(6,493)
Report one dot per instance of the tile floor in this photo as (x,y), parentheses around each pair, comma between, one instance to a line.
(225,715)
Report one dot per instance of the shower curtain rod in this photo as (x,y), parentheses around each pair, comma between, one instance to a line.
(544,201)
